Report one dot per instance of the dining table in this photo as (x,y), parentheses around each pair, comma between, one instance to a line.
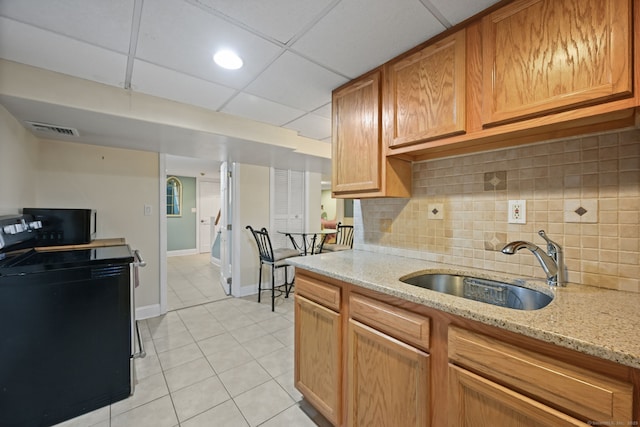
(308,242)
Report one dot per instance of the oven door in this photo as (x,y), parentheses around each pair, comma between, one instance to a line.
(64,342)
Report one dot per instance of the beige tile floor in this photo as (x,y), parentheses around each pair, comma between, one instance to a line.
(192,280)
(222,363)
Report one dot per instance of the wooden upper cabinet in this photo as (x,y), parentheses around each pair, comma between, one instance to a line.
(425,93)
(360,167)
(544,56)
(357,152)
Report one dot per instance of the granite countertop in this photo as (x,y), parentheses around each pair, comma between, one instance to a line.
(600,322)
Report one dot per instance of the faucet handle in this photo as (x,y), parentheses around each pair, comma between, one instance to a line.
(551,245)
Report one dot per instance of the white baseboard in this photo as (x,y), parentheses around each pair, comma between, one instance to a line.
(215,261)
(246,291)
(148,311)
(183,252)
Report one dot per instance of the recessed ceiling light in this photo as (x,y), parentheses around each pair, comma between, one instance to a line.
(227,59)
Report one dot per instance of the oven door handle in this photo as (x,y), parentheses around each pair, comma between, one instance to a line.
(139,261)
(137,264)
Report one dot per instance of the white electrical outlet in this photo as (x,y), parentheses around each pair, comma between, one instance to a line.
(517,212)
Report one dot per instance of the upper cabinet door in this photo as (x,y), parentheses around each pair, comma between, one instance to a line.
(357,152)
(425,93)
(543,56)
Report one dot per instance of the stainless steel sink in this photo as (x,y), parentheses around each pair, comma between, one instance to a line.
(483,290)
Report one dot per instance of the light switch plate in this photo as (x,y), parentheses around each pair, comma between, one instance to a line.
(147,210)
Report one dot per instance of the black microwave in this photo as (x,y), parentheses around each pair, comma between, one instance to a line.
(64,226)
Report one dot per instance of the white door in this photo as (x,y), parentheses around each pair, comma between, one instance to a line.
(209,201)
(287,204)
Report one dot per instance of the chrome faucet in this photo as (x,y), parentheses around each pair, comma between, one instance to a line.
(552,261)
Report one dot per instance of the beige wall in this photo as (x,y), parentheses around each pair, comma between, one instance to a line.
(600,173)
(18,164)
(251,208)
(115,182)
(329,204)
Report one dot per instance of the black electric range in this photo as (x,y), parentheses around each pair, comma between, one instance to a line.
(67,325)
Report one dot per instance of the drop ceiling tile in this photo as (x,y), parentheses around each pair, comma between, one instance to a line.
(294,81)
(103,23)
(324,111)
(359,35)
(153,80)
(458,10)
(311,126)
(278,19)
(44,49)
(182,37)
(262,110)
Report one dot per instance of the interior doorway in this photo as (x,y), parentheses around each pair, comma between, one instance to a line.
(188,276)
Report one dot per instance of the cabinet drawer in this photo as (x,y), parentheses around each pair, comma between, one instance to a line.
(394,321)
(322,293)
(577,390)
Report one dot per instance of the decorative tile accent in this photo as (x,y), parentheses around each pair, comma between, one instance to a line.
(495,181)
(435,211)
(494,241)
(581,210)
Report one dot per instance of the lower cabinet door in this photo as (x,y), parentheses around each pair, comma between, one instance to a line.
(318,350)
(388,380)
(478,402)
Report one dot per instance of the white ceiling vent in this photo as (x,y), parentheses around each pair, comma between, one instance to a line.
(53,129)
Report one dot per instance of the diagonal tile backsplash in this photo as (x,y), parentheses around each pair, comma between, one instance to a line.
(584,192)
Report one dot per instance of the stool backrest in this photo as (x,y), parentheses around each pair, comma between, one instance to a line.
(265,250)
(345,235)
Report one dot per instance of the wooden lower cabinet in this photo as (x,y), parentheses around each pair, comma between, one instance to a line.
(475,401)
(388,380)
(365,359)
(569,388)
(318,357)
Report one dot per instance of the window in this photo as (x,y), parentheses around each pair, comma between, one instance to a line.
(174,196)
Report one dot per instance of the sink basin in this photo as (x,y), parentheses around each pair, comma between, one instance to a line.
(483,290)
